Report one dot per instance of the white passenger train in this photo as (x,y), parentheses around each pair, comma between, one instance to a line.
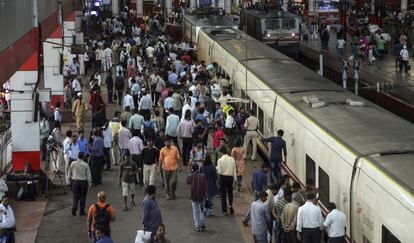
(360,155)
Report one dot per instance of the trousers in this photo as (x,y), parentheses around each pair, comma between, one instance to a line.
(96,164)
(198,212)
(311,235)
(137,159)
(170,180)
(226,191)
(79,191)
(187,145)
(107,158)
(115,152)
(291,237)
(149,174)
(251,136)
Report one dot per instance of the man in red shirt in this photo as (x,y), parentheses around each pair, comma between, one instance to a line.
(218,134)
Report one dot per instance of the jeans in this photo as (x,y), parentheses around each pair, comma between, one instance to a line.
(124,151)
(170,179)
(198,214)
(149,174)
(226,190)
(275,173)
(79,191)
(187,145)
(209,210)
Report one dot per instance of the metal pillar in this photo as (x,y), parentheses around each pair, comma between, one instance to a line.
(227,7)
(168,7)
(140,8)
(115,8)
(356,75)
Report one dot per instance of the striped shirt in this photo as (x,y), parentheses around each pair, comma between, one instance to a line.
(278,208)
(198,186)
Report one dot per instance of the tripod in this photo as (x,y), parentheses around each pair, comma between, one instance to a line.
(53,154)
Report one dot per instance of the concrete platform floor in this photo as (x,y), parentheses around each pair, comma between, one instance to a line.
(58,225)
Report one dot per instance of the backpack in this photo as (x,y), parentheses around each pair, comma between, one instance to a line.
(27,192)
(102,217)
(149,131)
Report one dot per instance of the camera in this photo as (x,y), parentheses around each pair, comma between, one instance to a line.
(50,144)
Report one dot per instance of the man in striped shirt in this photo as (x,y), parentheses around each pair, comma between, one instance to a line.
(198,189)
(277,215)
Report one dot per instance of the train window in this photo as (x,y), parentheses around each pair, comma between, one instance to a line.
(261,121)
(388,237)
(310,168)
(247,105)
(288,23)
(324,186)
(254,107)
(272,24)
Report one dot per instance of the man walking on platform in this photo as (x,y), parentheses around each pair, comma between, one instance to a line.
(127,175)
(79,110)
(150,155)
(135,149)
(251,125)
(169,159)
(198,189)
(97,159)
(226,168)
(100,215)
(115,125)
(80,176)
(151,216)
(276,159)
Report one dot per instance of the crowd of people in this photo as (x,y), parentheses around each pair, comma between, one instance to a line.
(172,112)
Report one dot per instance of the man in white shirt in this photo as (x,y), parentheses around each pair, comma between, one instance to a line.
(335,223)
(150,54)
(226,169)
(128,101)
(186,107)
(340,43)
(230,129)
(404,58)
(309,221)
(76,88)
(99,55)
(108,59)
(7,220)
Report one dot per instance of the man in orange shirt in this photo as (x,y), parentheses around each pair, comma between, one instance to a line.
(169,159)
(100,215)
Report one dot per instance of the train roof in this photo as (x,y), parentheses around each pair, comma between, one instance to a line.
(209,22)
(366,130)
(269,14)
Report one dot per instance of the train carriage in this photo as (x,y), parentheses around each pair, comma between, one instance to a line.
(359,155)
(272,27)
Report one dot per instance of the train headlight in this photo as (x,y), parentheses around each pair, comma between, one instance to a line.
(268,35)
(293,34)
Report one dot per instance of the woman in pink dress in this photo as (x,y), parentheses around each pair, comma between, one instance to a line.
(238,153)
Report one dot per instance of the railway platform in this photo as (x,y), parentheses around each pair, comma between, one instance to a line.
(55,223)
(396,88)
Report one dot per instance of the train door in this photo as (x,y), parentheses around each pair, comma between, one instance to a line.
(363,207)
